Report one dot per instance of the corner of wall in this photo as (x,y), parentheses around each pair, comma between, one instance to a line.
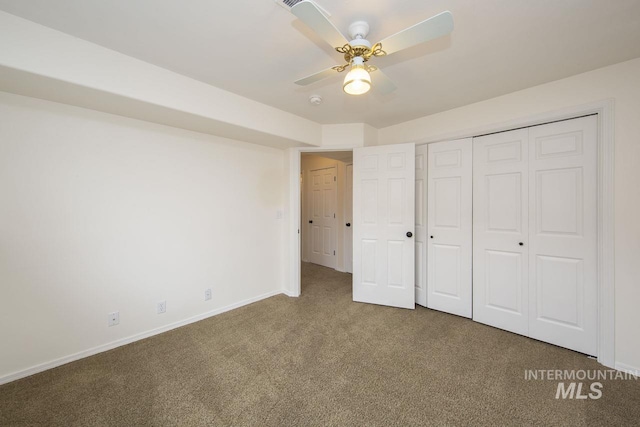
(370,135)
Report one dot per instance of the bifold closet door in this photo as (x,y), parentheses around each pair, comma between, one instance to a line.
(563,234)
(449,201)
(500,230)
(534,220)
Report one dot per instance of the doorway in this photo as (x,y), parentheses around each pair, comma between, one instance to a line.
(326,195)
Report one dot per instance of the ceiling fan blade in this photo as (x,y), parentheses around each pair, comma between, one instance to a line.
(313,17)
(316,77)
(432,28)
(381,83)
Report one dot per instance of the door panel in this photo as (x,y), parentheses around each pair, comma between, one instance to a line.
(559,294)
(446,265)
(500,224)
(322,209)
(449,200)
(446,202)
(563,245)
(383,214)
(504,281)
(421,225)
(559,202)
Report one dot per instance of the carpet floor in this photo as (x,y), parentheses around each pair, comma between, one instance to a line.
(319,359)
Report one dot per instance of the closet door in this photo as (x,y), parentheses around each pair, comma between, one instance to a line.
(563,230)
(500,230)
(449,227)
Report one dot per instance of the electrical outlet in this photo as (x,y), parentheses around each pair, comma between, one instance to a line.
(114,318)
(162,307)
(207,294)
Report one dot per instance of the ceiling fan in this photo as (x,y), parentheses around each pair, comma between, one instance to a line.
(359,50)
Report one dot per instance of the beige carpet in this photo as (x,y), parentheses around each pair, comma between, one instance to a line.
(318,360)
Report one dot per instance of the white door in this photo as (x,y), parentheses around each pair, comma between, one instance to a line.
(449,227)
(535,232)
(383,225)
(421,224)
(563,234)
(348,218)
(500,230)
(322,216)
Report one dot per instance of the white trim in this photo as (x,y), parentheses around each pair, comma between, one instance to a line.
(606,228)
(345,201)
(124,341)
(289,294)
(293,232)
(628,368)
(597,107)
(606,167)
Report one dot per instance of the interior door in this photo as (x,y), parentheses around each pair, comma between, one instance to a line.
(348,218)
(449,227)
(383,225)
(500,230)
(421,224)
(322,213)
(563,234)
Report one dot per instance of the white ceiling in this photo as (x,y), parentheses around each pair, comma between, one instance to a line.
(257,49)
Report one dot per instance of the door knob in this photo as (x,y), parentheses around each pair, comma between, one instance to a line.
(310,221)
(431,237)
(409,234)
(348,224)
(521,244)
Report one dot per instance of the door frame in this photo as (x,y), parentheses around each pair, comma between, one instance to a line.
(605,109)
(293,238)
(344,216)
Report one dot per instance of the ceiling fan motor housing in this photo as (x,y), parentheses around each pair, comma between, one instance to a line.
(360,43)
(359,30)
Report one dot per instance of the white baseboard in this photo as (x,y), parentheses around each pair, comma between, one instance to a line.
(124,341)
(628,368)
(290,294)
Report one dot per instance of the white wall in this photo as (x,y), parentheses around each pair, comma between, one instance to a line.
(41,62)
(349,135)
(100,213)
(620,82)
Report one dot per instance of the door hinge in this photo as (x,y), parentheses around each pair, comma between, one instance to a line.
(334,215)
(334,178)
(334,252)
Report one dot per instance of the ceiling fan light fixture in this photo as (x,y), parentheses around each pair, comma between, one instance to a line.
(357,81)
